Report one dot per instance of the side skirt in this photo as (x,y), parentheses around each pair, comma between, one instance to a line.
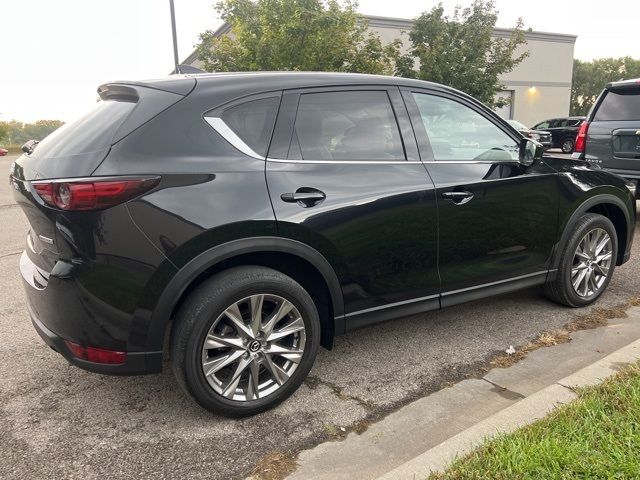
(373,316)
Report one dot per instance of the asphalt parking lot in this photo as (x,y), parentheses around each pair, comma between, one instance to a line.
(57,420)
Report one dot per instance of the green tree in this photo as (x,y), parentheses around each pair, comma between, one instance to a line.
(589,78)
(307,35)
(4,131)
(17,133)
(460,51)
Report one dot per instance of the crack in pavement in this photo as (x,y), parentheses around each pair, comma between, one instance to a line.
(10,254)
(9,205)
(312,382)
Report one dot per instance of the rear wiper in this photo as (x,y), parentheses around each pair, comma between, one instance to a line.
(30,146)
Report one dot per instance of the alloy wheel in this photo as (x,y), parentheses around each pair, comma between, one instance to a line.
(253,347)
(567,146)
(591,262)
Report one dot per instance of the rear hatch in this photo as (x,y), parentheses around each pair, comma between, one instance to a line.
(613,139)
(76,149)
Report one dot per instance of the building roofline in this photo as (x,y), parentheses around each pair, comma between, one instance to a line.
(405,23)
(395,22)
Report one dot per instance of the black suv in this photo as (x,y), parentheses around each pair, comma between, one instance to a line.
(563,132)
(249,218)
(610,137)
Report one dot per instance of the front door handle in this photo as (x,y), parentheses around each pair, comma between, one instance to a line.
(459,198)
(305,197)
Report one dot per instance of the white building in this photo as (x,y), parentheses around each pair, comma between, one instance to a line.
(539,87)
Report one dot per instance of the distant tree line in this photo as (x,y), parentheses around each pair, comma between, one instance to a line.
(589,78)
(17,133)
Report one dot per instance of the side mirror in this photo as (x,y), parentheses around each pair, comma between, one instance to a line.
(530,151)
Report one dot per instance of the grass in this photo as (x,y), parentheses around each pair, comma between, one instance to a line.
(596,436)
(274,466)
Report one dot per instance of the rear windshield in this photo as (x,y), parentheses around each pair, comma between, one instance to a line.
(92,132)
(624,105)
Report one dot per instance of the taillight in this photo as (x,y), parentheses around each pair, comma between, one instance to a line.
(97,355)
(581,138)
(93,194)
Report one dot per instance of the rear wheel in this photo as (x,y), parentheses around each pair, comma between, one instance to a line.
(245,340)
(587,262)
(567,145)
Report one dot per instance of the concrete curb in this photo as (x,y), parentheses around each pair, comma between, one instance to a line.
(522,413)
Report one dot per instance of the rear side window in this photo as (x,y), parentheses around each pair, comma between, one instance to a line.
(346,125)
(619,106)
(253,122)
(92,132)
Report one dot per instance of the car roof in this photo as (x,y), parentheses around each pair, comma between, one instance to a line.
(183,83)
(632,83)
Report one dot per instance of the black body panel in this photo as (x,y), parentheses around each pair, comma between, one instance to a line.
(381,236)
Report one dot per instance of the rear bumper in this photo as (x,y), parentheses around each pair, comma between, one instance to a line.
(136,363)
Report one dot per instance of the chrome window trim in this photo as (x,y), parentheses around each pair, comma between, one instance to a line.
(348,162)
(390,162)
(230,136)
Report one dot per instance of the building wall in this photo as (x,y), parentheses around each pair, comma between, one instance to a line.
(540,85)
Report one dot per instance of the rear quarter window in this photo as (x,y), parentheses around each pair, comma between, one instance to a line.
(253,122)
(619,106)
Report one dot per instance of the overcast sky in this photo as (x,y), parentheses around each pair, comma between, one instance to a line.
(56,53)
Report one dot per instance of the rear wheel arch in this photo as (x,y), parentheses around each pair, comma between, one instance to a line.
(299,261)
(607,205)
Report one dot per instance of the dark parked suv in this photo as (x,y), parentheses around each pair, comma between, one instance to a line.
(563,132)
(610,137)
(249,218)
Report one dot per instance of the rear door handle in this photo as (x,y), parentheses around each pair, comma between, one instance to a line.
(459,198)
(305,197)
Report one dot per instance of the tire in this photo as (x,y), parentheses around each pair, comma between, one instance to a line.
(213,312)
(562,289)
(567,145)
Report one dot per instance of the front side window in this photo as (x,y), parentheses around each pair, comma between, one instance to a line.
(346,125)
(253,121)
(542,125)
(456,132)
(624,105)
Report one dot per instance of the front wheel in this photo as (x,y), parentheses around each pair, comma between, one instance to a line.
(244,340)
(587,262)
